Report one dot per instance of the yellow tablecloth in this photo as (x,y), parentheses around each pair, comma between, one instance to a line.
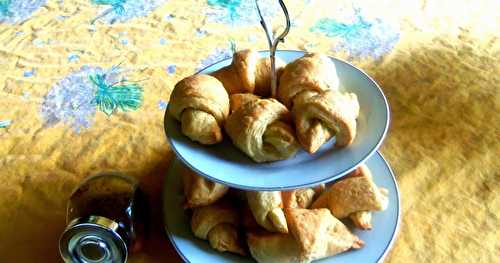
(438,62)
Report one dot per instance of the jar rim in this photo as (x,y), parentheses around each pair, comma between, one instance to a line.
(99,227)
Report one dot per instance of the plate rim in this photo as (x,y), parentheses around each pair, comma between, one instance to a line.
(395,232)
(387,249)
(324,180)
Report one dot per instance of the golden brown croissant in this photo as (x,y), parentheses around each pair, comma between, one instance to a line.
(267,209)
(268,247)
(312,73)
(319,234)
(239,99)
(199,191)
(320,116)
(261,129)
(356,193)
(301,198)
(201,104)
(218,223)
(248,73)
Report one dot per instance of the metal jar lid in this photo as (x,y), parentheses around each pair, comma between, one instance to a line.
(93,239)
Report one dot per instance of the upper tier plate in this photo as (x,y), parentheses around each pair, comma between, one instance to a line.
(225,164)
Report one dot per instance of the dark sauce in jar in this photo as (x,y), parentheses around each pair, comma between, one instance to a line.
(106,220)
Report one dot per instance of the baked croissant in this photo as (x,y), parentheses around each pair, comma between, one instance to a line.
(317,118)
(301,198)
(268,247)
(218,223)
(319,234)
(199,191)
(354,194)
(261,129)
(248,73)
(239,99)
(267,209)
(312,73)
(201,104)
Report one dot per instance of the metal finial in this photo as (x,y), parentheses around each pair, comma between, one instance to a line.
(273,44)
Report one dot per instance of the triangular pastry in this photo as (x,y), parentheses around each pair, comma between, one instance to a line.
(353,194)
(319,234)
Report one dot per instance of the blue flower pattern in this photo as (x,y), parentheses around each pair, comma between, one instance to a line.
(360,38)
(75,99)
(17,11)
(240,12)
(5,123)
(124,10)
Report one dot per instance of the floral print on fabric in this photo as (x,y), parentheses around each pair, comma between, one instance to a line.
(16,11)
(75,99)
(240,12)
(359,36)
(124,10)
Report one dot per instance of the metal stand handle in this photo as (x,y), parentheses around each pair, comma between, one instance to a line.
(273,44)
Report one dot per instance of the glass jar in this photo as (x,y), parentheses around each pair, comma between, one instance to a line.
(105,216)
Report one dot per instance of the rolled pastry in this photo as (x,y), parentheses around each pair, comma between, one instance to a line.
(319,234)
(199,191)
(317,118)
(301,198)
(354,194)
(218,223)
(239,99)
(248,73)
(310,74)
(268,247)
(201,104)
(267,209)
(261,129)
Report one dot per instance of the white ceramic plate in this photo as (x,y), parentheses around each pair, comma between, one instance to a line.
(378,241)
(225,164)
